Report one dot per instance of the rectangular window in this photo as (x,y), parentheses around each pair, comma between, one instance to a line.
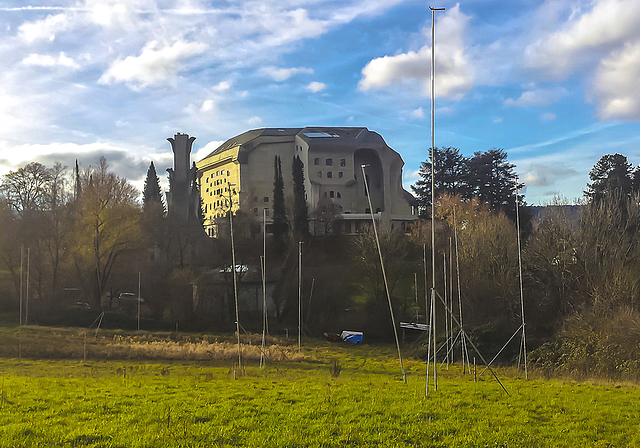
(266,199)
(320,174)
(331,194)
(316,161)
(340,174)
(329,174)
(343,162)
(329,162)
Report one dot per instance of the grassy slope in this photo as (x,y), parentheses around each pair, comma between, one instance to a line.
(126,403)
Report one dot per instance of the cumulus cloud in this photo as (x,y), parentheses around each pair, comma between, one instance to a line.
(45,29)
(585,35)
(43,60)
(418,113)
(454,67)
(254,121)
(207,106)
(221,86)
(207,149)
(603,34)
(156,64)
(546,174)
(316,86)
(282,74)
(538,97)
(616,84)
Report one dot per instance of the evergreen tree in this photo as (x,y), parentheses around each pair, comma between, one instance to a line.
(611,173)
(78,184)
(300,210)
(280,225)
(152,194)
(451,177)
(492,180)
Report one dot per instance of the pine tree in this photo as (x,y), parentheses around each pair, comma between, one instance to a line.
(152,194)
(451,177)
(280,225)
(300,210)
(78,185)
(610,173)
(492,180)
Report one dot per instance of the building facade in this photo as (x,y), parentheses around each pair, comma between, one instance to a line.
(240,174)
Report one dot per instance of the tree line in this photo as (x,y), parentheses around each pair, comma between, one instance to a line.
(87,230)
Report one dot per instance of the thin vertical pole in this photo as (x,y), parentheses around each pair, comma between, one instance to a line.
(26,315)
(433,193)
(415,288)
(446,305)
(524,336)
(451,296)
(462,337)
(427,316)
(235,281)
(139,300)
(264,282)
(299,295)
(21,292)
(384,275)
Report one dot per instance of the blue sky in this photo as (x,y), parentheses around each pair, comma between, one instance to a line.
(554,83)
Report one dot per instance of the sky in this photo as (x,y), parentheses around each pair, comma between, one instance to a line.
(554,83)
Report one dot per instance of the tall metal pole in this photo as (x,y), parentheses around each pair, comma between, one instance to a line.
(235,281)
(26,315)
(299,296)
(384,273)
(264,282)
(21,291)
(138,300)
(433,194)
(524,336)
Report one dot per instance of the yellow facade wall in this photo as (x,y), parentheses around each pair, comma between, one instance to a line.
(219,177)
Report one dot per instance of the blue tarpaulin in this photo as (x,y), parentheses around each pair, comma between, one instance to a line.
(354,337)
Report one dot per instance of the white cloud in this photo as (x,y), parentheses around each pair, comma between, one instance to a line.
(454,70)
(585,36)
(44,29)
(156,64)
(316,86)
(418,113)
(221,86)
(254,121)
(207,149)
(497,120)
(42,60)
(207,106)
(538,97)
(282,74)
(616,84)
(548,117)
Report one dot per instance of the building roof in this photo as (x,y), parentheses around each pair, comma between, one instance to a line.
(324,135)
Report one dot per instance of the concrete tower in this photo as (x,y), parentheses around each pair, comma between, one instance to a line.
(181,178)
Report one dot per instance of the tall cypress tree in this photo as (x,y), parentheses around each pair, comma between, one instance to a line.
(152,194)
(300,210)
(280,224)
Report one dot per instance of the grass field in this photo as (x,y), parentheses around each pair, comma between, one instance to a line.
(195,401)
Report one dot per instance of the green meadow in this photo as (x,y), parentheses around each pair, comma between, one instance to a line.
(188,396)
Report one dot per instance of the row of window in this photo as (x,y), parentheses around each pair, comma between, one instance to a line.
(332,194)
(330,174)
(217,192)
(218,173)
(329,162)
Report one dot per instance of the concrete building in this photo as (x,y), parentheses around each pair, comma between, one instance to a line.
(241,171)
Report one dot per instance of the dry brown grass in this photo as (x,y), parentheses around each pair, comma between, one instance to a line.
(69,343)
